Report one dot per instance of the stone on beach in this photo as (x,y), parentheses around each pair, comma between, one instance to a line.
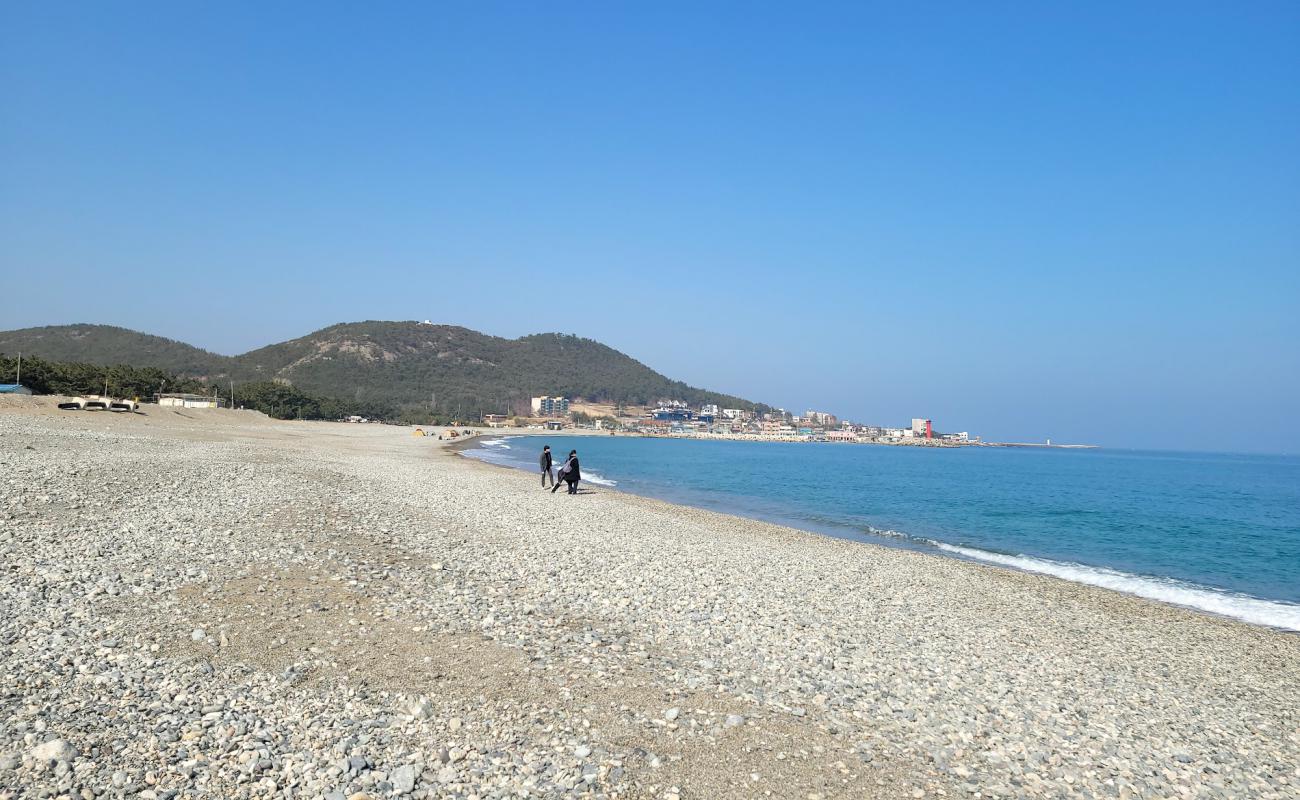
(54,750)
(404,778)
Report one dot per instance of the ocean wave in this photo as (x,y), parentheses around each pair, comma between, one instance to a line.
(599,480)
(501,443)
(889,534)
(1167,590)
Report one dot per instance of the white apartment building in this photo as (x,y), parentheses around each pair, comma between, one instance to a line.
(550,406)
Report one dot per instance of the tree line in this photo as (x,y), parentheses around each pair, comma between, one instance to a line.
(276,400)
(73,378)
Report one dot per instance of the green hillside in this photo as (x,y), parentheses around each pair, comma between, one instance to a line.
(107,345)
(406,364)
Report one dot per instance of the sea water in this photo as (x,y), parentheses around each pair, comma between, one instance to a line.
(1216,532)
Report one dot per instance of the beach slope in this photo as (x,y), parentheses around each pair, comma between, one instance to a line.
(210,603)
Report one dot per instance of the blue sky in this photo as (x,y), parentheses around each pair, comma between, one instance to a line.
(1022,220)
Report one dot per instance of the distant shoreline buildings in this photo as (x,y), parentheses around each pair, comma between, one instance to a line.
(679,419)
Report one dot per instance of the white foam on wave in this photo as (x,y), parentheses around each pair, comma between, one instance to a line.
(1166,590)
(597,479)
(889,534)
(501,443)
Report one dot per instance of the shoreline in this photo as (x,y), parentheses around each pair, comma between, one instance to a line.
(1274,615)
(343,609)
(793,533)
(753,437)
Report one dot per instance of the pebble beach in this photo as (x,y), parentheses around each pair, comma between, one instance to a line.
(213,604)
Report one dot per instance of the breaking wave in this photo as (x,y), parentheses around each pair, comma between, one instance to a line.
(596,478)
(1167,590)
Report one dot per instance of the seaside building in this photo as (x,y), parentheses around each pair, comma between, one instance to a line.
(179,400)
(776,413)
(823,418)
(778,428)
(922,427)
(550,406)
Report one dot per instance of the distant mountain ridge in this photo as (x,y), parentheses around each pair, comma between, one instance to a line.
(405,363)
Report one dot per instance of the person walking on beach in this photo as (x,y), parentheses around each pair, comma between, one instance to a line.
(547,472)
(569,473)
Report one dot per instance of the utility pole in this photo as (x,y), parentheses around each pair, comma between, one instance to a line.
(232,392)
(19,379)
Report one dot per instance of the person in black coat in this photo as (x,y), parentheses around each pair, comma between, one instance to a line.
(545,461)
(570,473)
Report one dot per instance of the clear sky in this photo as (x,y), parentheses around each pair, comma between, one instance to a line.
(1023,220)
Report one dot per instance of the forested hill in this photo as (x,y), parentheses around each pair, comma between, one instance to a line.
(107,345)
(404,363)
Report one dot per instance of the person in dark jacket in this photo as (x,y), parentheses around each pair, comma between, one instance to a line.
(570,473)
(547,472)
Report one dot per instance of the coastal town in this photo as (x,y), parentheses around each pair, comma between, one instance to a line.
(675,418)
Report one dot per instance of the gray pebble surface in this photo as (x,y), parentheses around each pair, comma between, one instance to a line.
(210,604)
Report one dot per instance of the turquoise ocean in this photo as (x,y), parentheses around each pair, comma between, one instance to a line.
(1215,532)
